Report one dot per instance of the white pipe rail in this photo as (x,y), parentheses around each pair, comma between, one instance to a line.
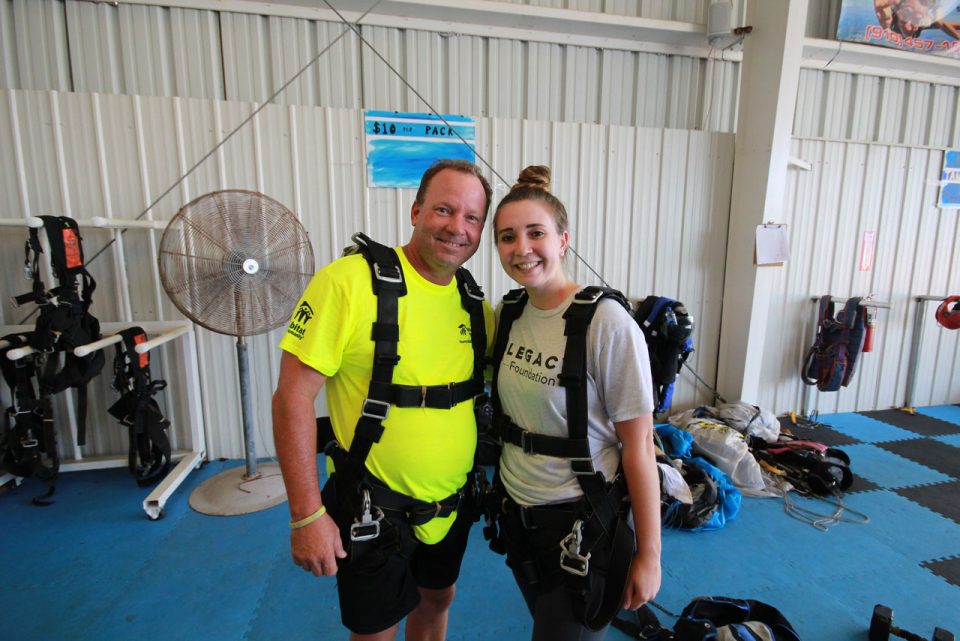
(111,223)
(96,221)
(915,345)
(30,221)
(154,503)
(174,331)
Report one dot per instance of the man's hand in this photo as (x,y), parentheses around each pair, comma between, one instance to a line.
(317,546)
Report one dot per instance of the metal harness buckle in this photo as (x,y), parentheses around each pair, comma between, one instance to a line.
(367,527)
(570,558)
(526,441)
(373,408)
(387,273)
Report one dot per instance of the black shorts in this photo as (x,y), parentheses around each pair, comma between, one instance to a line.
(379,585)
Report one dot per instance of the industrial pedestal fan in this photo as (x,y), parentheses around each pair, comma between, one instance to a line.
(236,262)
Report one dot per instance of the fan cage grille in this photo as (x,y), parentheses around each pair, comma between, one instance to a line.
(235,262)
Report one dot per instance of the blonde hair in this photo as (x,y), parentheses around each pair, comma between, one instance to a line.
(533,183)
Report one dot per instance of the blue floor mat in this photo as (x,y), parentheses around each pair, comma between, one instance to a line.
(92,566)
(889,470)
(949,413)
(866,429)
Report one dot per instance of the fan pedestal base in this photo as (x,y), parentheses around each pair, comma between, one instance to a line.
(229,493)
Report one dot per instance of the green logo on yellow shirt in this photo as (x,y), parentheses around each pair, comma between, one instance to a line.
(465,334)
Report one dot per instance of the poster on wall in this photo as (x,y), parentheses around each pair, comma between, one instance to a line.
(950,180)
(922,26)
(401,146)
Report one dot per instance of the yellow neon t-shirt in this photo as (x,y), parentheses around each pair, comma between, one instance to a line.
(424,453)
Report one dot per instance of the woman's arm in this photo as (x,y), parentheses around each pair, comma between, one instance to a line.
(643,482)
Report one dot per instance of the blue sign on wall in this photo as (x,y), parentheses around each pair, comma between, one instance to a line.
(401,146)
(950,180)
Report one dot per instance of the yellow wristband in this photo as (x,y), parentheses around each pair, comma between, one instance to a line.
(308,520)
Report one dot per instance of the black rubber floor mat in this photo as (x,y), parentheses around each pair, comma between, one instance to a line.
(860,484)
(917,423)
(942,498)
(948,569)
(819,432)
(928,452)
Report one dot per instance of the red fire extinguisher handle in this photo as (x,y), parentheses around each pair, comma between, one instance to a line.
(869,323)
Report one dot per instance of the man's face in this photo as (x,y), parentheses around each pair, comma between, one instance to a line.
(448,224)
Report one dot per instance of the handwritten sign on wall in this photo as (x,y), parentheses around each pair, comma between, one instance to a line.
(401,146)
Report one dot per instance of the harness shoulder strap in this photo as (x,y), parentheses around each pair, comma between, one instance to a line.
(471,298)
(573,374)
(513,303)
(386,275)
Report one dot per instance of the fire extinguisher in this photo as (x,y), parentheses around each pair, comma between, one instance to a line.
(870,321)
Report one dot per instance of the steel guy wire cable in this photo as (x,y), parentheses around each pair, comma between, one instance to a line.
(435,112)
(220,144)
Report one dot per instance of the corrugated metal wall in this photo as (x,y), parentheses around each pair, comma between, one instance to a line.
(156,88)
(844,106)
(852,188)
(69,45)
(635,195)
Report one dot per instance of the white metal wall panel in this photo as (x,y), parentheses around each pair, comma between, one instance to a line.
(852,188)
(34,46)
(822,17)
(618,77)
(513,88)
(467,87)
(635,196)
(841,106)
(137,49)
(381,87)
(694,11)
(144,50)
(581,81)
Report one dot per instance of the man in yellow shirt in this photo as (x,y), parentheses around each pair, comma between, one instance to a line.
(400,380)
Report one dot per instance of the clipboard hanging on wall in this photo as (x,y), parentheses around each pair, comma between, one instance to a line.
(771,247)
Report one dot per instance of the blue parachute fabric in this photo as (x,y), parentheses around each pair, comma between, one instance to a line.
(680,444)
(730,496)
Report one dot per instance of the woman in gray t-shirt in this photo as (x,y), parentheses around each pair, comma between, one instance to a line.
(530,227)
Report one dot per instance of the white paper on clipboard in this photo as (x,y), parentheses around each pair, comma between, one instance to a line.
(772,246)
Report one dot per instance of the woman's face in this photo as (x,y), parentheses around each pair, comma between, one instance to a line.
(531,249)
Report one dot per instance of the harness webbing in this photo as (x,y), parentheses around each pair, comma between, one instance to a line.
(604,501)
(28,438)
(148,457)
(65,321)
(388,286)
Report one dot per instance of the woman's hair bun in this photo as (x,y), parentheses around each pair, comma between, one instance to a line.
(533,177)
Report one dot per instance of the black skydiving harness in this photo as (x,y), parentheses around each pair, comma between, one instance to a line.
(65,321)
(352,489)
(149,452)
(27,440)
(596,523)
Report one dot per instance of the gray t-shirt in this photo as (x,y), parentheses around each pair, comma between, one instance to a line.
(619,388)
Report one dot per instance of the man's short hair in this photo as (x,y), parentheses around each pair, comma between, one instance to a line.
(464,166)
